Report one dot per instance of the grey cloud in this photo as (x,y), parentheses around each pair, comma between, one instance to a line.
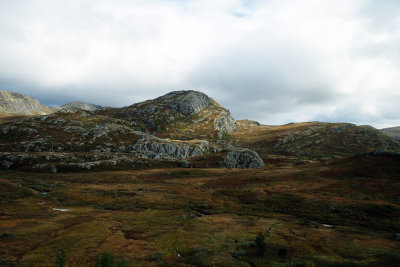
(325,61)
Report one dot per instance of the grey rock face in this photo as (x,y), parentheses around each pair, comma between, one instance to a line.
(156,148)
(106,129)
(243,158)
(81,105)
(224,123)
(21,104)
(186,102)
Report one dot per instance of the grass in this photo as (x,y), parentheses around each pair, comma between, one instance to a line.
(314,214)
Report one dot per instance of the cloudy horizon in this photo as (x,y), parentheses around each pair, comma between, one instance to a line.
(274,61)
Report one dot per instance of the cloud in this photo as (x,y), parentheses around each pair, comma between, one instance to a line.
(272,60)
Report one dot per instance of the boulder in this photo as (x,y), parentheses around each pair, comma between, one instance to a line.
(243,158)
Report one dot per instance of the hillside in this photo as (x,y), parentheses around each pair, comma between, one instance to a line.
(15,103)
(129,137)
(181,128)
(313,139)
(393,132)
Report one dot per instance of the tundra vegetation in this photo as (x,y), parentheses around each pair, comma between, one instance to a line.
(175,181)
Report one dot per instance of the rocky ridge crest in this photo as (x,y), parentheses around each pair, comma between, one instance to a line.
(81,105)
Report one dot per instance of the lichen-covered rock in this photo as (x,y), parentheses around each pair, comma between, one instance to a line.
(243,158)
(224,123)
(157,148)
(186,102)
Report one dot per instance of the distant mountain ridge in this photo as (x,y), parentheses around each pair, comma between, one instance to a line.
(15,103)
(12,103)
(392,131)
(81,105)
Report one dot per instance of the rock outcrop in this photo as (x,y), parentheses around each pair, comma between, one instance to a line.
(185,102)
(243,158)
(224,123)
(16,103)
(157,148)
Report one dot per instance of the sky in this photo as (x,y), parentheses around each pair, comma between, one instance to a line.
(274,61)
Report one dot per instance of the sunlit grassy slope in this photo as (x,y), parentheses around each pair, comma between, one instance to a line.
(313,139)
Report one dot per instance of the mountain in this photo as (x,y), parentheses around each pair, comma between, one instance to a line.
(393,132)
(180,114)
(15,103)
(181,128)
(176,128)
(81,105)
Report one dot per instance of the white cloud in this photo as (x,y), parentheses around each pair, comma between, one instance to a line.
(275,60)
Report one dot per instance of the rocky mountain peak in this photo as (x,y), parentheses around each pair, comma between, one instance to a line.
(16,103)
(185,114)
(186,102)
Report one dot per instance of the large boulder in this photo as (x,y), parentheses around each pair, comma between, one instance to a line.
(243,158)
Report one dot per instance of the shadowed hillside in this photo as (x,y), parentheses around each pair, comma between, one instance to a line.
(393,132)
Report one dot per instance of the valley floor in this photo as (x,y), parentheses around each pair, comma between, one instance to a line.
(336,213)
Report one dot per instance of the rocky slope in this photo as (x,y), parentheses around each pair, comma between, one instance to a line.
(185,128)
(181,115)
(126,131)
(15,103)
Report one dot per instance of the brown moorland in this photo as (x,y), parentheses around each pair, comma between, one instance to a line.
(340,212)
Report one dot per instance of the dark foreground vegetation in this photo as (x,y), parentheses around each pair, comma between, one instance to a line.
(341,212)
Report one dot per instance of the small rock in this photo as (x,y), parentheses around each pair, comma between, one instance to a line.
(53,169)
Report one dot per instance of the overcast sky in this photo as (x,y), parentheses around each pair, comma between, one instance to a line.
(275,61)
